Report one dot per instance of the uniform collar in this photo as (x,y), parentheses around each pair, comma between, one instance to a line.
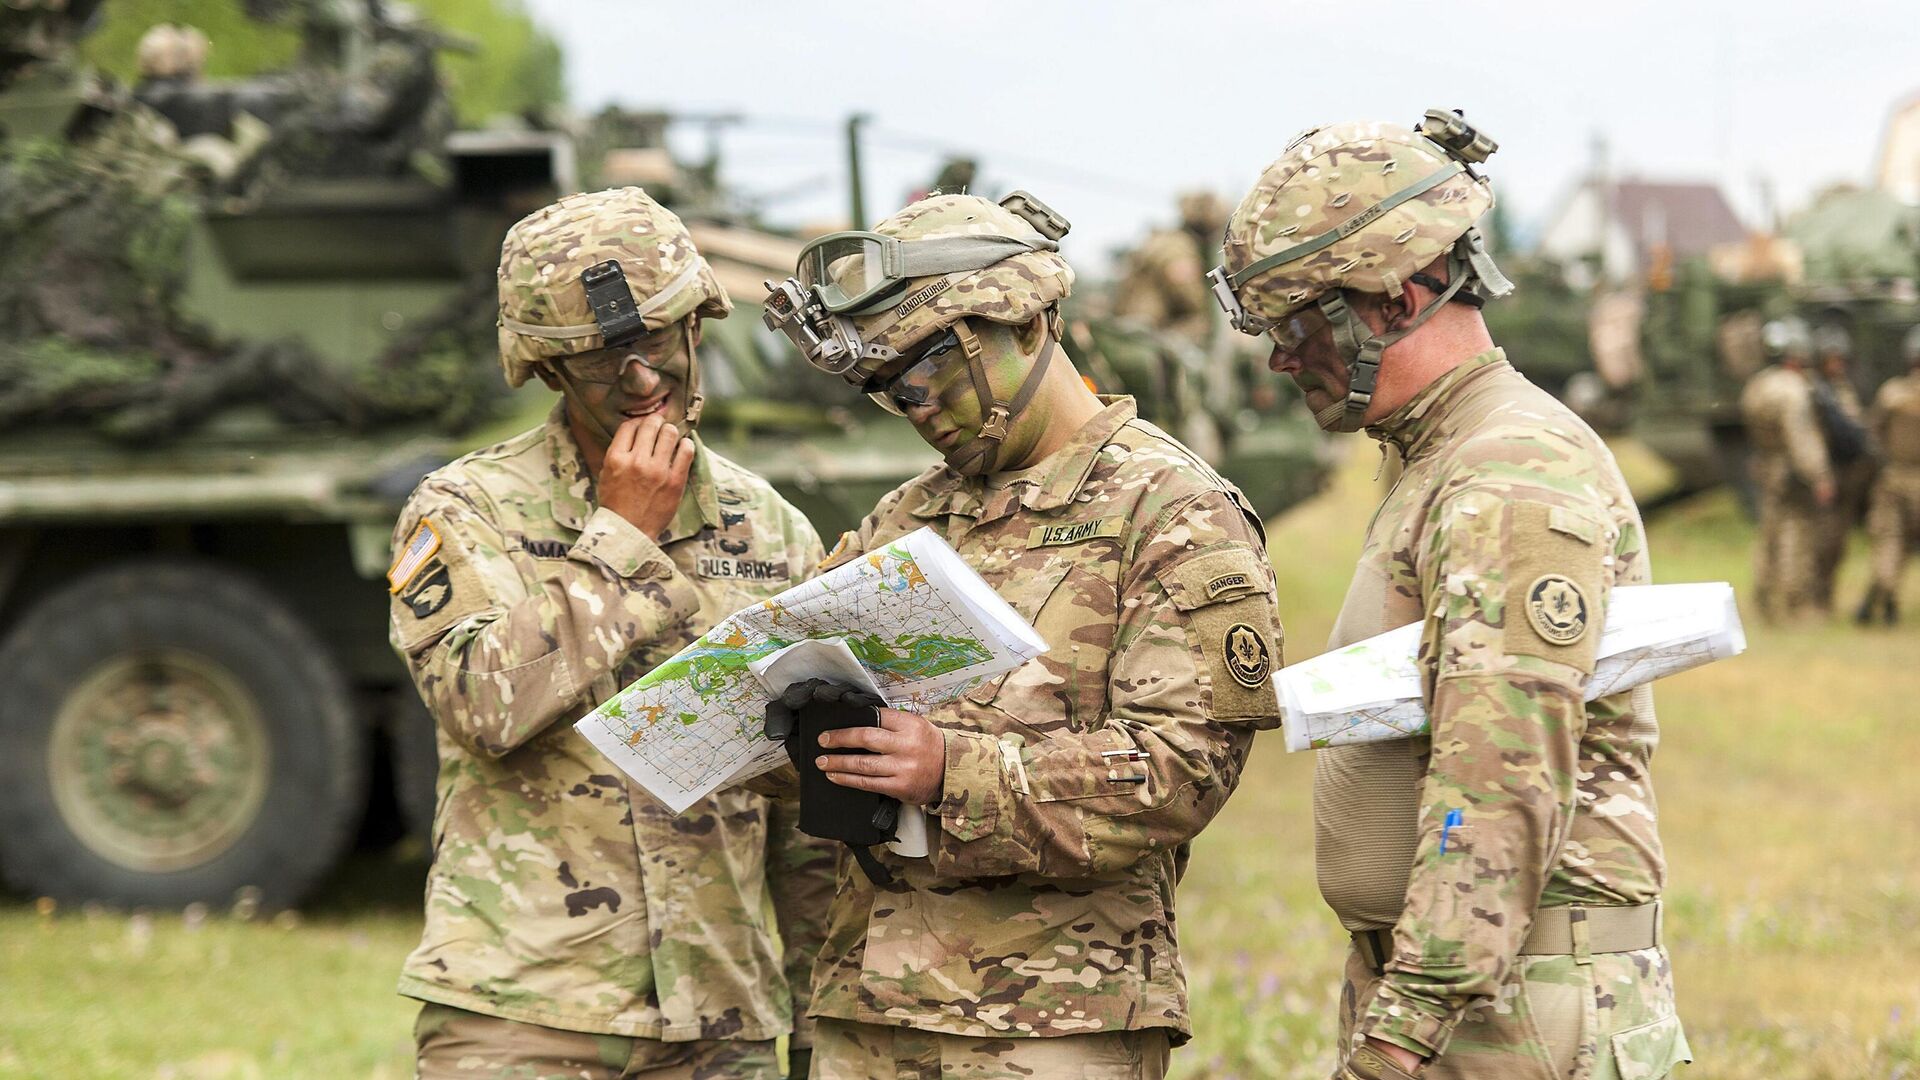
(1411,426)
(572,494)
(1051,484)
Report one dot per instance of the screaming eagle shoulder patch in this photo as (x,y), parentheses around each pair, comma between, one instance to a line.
(1557,609)
(1248,659)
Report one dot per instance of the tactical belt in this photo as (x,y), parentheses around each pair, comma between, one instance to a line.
(1573,930)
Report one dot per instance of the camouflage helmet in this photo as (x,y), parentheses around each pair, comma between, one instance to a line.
(593,266)
(167,51)
(1360,207)
(1202,210)
(1829,339)
(1012,274)
(1787,336)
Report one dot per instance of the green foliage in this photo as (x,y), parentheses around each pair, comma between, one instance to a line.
(513,68)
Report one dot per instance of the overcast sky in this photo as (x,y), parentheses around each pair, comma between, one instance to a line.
(1106,110)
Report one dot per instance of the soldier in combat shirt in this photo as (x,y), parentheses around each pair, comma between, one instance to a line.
(1037,939)
(574,927)
(1501,878)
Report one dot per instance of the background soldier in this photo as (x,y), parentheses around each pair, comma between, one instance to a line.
(1843,421)
(574,926)
(1791,473)
(1501,878)
(1036,940)
(1160,283)
(1893,521)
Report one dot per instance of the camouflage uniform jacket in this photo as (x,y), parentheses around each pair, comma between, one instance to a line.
(1074,783)
(1784,428)
(560,894)
(1504,536)
(1895,421)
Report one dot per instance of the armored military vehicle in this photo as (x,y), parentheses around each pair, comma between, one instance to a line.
(238,322)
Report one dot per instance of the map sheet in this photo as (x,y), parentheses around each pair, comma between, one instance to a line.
(922,625)
(1370,690)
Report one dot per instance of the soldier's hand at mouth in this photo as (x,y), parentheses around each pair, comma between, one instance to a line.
(908,757)
(645,472)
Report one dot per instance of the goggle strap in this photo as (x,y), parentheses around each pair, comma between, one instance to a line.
(951,254)
(1351,225)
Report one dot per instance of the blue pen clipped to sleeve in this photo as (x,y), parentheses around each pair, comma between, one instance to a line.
(1454,817)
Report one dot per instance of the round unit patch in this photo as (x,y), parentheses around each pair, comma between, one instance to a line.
(1248,660)
(1557,609)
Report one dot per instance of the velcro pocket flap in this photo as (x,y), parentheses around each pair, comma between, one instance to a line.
(1215,577)
(1650,1051)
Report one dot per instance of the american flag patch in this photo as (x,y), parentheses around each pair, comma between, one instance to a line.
(422,547)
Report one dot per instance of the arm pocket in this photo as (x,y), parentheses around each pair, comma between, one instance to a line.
(1226,597)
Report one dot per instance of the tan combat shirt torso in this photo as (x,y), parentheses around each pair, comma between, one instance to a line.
(1508,505)
(1895,422)
(1784,429)
(560,893)
(1074,783)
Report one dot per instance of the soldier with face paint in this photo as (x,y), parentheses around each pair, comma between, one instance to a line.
(1501,878)
(575,928)
(1036,938)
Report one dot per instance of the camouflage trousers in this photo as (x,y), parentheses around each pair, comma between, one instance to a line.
(846,1050)
(454,1044)
(1786,558)
(1852,487)
(1893,524)
(1612,1018)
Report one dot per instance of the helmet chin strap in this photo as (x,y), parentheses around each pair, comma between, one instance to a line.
(695,399)
(981,453)
(1362,347)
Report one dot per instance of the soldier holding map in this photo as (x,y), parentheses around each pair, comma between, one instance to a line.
(1036,939)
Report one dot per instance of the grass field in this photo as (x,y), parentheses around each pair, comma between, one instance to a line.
(1788,808)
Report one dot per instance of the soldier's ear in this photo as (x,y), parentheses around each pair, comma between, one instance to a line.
(698,322)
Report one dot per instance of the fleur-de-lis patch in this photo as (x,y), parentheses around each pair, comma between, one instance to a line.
(1248,659)
(1557,609)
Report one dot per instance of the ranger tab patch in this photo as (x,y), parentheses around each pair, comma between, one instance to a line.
(1557,609)
(421,548)
(1075,532)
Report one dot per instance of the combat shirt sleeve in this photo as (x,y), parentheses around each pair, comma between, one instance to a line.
(1516,593)
(498,656)
(1196,638)
(1806,443)
(801,870)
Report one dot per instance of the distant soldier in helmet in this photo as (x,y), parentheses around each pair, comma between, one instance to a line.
(1036,938)
(1500,877)
(1893,514)
(1843,420)
(1161,282)
(1792,473)
(574,926)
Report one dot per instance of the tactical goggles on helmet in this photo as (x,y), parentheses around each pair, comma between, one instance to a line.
(912,386)
(857,273)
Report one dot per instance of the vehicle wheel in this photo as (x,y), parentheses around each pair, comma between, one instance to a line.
(174,734)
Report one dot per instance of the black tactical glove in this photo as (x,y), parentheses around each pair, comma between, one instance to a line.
(858,819)
(1367,1063)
